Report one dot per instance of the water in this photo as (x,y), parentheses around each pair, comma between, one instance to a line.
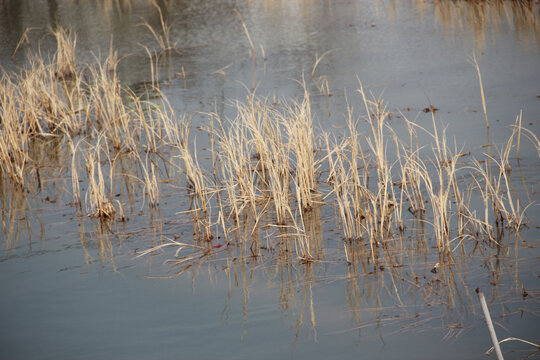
(74,289)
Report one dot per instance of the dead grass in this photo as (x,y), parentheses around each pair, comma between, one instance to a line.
(98,196)
(267,162)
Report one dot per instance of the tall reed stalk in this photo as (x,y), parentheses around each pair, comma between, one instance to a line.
(98,195)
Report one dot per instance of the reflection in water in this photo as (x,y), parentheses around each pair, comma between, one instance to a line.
(391,279)
(397,290)
(102,234)
(15,221)
(23,209)
(483,17)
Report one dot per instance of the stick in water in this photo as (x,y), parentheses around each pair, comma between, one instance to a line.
(490,326)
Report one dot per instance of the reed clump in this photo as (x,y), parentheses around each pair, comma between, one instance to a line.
(98,196)
(14,136)
(34,106)
(298,123)
(163,39)
(96,116)
(267,163)
(64,58)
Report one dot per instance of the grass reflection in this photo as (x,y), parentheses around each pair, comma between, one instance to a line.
(482,17)
(404,218)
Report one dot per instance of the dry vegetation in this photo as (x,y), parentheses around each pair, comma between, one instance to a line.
(269,169)
(272,184)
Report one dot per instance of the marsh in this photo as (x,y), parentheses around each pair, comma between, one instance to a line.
(268,179)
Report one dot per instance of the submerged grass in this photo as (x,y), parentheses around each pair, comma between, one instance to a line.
(273,184)
(270,170)
(401,209)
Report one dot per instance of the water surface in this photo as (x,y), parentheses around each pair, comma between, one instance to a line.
(74,288)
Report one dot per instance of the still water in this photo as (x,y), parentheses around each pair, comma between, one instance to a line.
(74,289)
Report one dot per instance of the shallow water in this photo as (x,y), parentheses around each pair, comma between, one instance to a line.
(74,289)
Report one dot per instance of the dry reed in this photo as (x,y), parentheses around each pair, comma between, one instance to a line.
(266,161)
